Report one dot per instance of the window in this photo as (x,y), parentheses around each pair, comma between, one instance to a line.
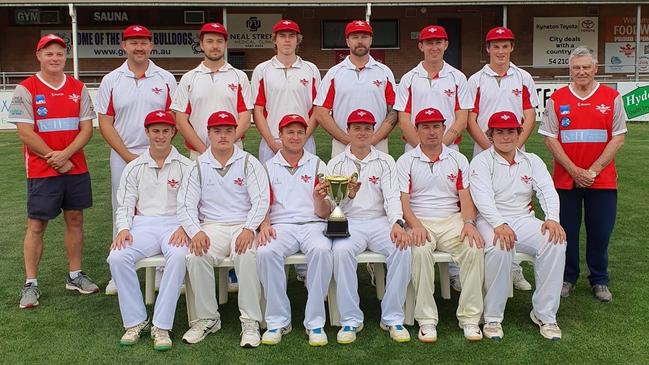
(386,33)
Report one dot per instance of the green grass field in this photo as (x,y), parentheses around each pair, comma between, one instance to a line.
(68,328)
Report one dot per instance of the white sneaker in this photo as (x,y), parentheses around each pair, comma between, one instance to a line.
(250,336)
(519,281)
(133,334)
(472,332)
(493,330)
(200,329)
(274,336)
(427,333)
(455,283)
(161,339)
(317,337)
(551,331)
(398,333)
(347,334)
(111,288)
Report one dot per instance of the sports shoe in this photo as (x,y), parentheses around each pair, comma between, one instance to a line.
(111,288)
(233,282)
(398,333)
(161,339)
(493,330)
(551,331)
(82,284)
(317,337)
(29,296)
(274,336)
(567,289)
(455,283)
(347,334)
(132,334)
(250,336)
(519,281)
(301,279)
(427,333)
(472,332)
(200,329)
(601,293)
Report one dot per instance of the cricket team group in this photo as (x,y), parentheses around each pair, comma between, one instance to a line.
(222,202)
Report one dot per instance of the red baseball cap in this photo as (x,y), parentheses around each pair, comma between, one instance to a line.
(433,32)
(503,120)
(159,116)
(286,24)
(500,33)
(429,115)
(292,118)
(361,116)
(136,31)
(358,26)
(49,38)
(221,118)
(217,28)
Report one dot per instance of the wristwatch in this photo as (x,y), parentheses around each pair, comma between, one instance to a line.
(592,173)
(469,221)
(401,223)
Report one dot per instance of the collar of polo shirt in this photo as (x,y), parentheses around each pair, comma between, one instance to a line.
(236,155)
(306,157)
(277,64)
(491,72)
(518,157)
(373,155)
(371,62)
(422,156)
(226,66)
(173,155)
(421,71)
(150,70)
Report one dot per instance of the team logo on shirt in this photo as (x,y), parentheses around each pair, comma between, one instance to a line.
(306,178)
(173,183)
(603,108)
(517,92)
(564,109)
(41,111)
(526,179)
(238,181)
(452,177)
(377,83)
(304,82)
(74,97)
(373,179)
(232,87)
(156,90)
(39,99)
(449,92)
(565,122)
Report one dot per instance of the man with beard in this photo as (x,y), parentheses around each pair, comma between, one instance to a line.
(212,86)
(125,96)
(359,81)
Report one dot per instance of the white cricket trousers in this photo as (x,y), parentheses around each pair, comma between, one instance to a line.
(201,273)
(445,237)
(548,268)
(117,165)
(372,234)
(292,238)
(150,237)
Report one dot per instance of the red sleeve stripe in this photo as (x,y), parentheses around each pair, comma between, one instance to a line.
(314,90)
(389,93)
(527,101)
(476,105)
(331,94)
(261,94)
(241,104)
(459,184)
(409,183)
(272,196)
(457,100)
(110,110)
(408,107)
(168,101)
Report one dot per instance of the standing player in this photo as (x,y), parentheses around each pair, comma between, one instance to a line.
(125,96)
(503,179)
(498,86)
(212,86)
(433,83)
(147,225)
(375,223)
(295,223)
(221,204)
(285,84)
(584,126)
(358,81)
(437,207)
(53,115)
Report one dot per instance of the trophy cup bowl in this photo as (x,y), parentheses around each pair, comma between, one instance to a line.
(338,190)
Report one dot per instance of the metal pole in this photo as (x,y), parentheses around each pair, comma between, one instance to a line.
(75,56)
(225,24)
(505,16)
(637,41)
(368,12)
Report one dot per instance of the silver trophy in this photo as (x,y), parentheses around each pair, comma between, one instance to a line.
(338,190)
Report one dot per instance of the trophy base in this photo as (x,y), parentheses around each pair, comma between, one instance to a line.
(337,229)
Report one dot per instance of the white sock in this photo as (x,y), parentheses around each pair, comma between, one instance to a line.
(73,274)
(33,281)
